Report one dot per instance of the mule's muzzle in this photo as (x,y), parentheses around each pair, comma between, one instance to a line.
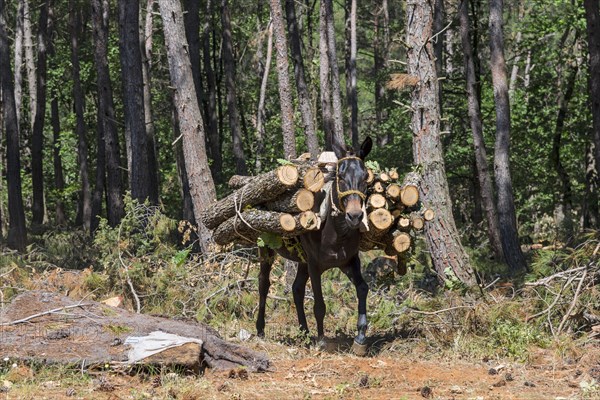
(353,218)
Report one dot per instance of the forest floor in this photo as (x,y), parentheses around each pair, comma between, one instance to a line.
(397,366)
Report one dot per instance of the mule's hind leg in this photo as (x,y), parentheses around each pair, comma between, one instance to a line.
(319,308)
(299,290)
(362,290)
(266,257)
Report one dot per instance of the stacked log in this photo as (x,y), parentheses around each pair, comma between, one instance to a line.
(285,202)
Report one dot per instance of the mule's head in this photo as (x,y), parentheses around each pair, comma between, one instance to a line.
(351,181)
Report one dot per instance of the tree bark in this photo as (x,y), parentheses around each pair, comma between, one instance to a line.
(202,187)
(78,99)
(214,141)
(260,114)
(17,234)
(505,200)
(99,186)
(304,101)
(448,255)
(380,54)
(336,100)
(184,183)
(59,180)
(285,88)
(29,62)
(590,199)
(592,16)
(114,186)
(232,110)
(351,93)
(38,209)
(142,186)
(191,21)
(324,80)
(486,191)
(19,34)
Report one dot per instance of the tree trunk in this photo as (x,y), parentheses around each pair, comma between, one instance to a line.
(260,114)
(30,62)
(232,110)
(336,100)
(188,205)
(285,88)
(380,54)
(506,206)
(449,257)
(324,76)
(146,50)
(191,20)
(212,124)
(304,102)
(106,108)
(78,99)
(19,34)
(486,191)
(590,199)
(351,93)
(17,235)
(141,183)
(99,187)
(202,187)
(59,180)
(592,16)
(38,209)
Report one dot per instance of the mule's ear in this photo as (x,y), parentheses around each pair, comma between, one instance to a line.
(339,149)
(365,148)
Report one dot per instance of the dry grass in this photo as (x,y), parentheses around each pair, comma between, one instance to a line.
(401,82)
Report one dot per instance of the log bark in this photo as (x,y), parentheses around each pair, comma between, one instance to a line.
(238,181)
(293,202)
(263,188)
(249,225)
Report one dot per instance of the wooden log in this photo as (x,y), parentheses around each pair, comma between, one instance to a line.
(416,221)
(380,222)
(309,220)
(381,219)
(293,201)
(394,174)
(393,191)
(238,181)
(251,224)
(403,223)
(313,179)
(383,177)
(263,188)
(428,214)
(370,176)
(410,189)
(396,242)
(378,187)
(376,200)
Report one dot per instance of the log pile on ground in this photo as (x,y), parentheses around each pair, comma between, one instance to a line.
(286,202)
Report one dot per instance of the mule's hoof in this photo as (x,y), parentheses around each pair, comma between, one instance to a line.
(359,349)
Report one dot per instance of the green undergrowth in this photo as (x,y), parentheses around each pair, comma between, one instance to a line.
(143,258)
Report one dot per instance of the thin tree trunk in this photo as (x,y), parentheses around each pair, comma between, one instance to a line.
(191,20)
(260,114)
(324,79)
(99,187)
(232,110)
(592,16)
(304,101)
(506,206)
(590,199)
(202,187)
(106,108)
(439,17)
(188,205)
(59,181)
(19,58)
(380,55)
(449,257)
(474,107)
(38,209)
(336,99)
(78,99)
(285,88)
(143,187)
(2,212)
(17,234)
(351,92)
(212,124)
(146,50)
(30,62)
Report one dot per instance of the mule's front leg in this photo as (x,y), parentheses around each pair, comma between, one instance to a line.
(362,290)
(299,291)
(264,282)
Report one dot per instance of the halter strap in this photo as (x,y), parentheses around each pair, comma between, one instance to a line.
(340,194)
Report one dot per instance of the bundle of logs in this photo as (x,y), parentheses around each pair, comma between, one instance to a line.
(286,202)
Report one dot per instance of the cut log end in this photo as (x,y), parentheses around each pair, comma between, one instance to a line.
(314,179)
(287,222)
(305,200)
(401,242)
(309,220)
(410,195)
(378,187)
(429,214)
(376,200)
(288,174)
(417,223)
(383,177)
(393,191)
(403,222)
(370,176)
(381,219)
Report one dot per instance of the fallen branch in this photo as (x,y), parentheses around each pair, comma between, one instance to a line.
(53,311)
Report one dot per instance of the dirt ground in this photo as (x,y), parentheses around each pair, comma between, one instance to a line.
(305,373)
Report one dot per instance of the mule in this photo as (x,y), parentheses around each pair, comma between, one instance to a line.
(335,244)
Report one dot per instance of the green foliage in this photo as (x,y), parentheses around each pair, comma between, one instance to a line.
(270,240)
